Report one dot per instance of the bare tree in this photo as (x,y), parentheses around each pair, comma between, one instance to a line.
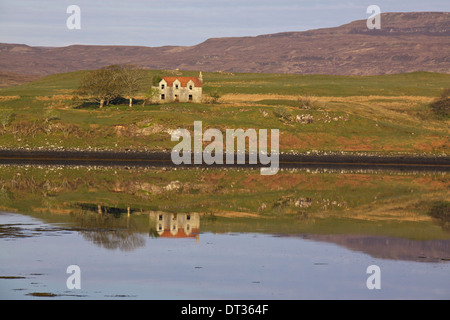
(101,85)
(6,117)
(132,80)
(106,84)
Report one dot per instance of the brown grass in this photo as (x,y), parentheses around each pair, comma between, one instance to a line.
(236,214)
(8,98)
(56,97)
(282,181)
(241,97)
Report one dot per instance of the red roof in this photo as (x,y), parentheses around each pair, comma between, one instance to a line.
(180,233)
(183,80)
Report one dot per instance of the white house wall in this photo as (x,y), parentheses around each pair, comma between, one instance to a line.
(182,92)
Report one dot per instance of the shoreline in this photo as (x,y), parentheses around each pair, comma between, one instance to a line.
(163,159)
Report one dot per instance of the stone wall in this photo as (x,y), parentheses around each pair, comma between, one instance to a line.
(190,93)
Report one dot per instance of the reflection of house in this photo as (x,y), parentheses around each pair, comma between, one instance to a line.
(182,89)
(176,225)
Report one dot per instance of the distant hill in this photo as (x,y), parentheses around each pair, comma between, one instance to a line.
(407,42)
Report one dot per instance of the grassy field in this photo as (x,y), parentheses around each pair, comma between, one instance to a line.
(295,201)
(372,114)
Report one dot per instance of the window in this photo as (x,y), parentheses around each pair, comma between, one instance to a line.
(188,217)
(190,87)
(176,86)
(163,96)
(162,86)
(190,97)
(160,217)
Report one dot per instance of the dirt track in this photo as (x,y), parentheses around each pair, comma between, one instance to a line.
(163,159)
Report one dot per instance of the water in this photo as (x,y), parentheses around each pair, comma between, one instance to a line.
(212,266)
(159,233)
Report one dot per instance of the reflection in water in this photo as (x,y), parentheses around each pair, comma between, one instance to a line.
(119,229)
(110,228)
(285,236)
(222,266)
(107,227)
(440,211)
(115,239)
(120,208)
(123,228)
(176,225)
(392,248)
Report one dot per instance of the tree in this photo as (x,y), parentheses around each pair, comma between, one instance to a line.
(132,81)
(108,83)
(150,94)
(156,80)
(101,85)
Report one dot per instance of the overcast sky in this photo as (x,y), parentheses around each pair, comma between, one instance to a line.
(180,22)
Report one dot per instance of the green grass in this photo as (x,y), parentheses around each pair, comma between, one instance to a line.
(425,84)
(392,116)
(411,84)
(383,121)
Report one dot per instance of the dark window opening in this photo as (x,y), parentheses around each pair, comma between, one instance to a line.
(163,96)
(190,87)
(160,217)
(188,217)
(162,86)
(190,97)
(176,86)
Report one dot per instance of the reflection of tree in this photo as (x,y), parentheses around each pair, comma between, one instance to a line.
(5,195)
(115,239)
(440,211)
(153,233)
(110,231)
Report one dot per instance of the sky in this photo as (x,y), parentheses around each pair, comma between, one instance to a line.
(156,23)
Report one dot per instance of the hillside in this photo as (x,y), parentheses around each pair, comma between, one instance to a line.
(386,114)
(407,42)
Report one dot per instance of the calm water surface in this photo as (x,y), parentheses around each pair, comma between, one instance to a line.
(34,256)
(161,233)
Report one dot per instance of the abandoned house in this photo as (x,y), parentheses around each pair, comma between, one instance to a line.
(176,225)
(180,89)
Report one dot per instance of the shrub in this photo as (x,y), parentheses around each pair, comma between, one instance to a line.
(26,128)
(307,102)
(215,96)
(283,114)
(441,106)
(51,114)
(6,118)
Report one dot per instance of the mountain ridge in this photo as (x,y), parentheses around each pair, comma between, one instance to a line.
(406,42)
